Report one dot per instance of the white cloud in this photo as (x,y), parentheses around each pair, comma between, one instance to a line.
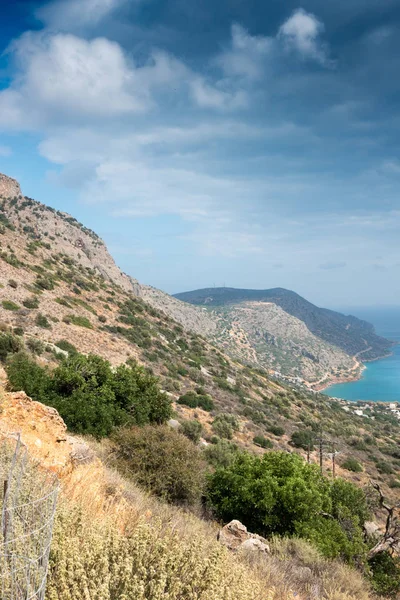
(69,15)
(246,55)
(212,96)
(64,78)
(301,33)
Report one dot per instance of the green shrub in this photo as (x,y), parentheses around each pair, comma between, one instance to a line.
(205,402)
(224,425)
(67,346)
(9,305)
(13,284)
(351,464)
(42,321)
(276,430)
(102,319)
(303,439)
(9,344)
(385,574)
(163,461)
(24,374)
(78,320)
(44,283)
(196,400)
(90,396)
(32,302)
(384,467)
(220,453)
(192,430)
(262,441)
(35,346)
(281,494)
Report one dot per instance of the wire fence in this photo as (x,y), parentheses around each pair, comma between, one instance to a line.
(28,503)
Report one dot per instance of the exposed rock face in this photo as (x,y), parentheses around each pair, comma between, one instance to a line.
(191,318)
(236,538)
(9,188)
(42,429)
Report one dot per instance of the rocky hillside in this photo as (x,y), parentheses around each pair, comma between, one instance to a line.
(289,334)
(53,294)
(59,230)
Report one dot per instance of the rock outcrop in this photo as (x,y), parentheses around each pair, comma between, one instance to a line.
(42,429)
(236,538)
(69,236)
(9,188)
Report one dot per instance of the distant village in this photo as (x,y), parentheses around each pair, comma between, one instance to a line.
(361,408)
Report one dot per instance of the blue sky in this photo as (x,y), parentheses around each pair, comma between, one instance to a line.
(245,143)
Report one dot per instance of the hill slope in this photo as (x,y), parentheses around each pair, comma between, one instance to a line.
(52,292)
(326,341)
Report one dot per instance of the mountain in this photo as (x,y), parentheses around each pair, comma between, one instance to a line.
(60,287)
(290,334)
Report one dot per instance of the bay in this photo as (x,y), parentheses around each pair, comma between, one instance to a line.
(381,378)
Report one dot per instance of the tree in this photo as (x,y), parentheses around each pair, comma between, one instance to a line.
(89,395)
(303,439)
(281,494)
(24,374)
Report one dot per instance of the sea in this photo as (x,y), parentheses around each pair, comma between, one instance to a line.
(380,380)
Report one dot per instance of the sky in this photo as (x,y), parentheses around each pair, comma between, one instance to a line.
(242,143)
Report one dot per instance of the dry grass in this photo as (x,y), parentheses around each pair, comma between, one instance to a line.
(121,509)
(112,541)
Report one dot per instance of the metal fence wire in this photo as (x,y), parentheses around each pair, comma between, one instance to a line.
(28,503)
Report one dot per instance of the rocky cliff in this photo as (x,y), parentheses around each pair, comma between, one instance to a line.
(67,234)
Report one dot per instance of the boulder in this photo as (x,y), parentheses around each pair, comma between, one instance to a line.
(236,538)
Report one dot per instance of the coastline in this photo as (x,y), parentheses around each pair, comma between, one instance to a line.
(354,374)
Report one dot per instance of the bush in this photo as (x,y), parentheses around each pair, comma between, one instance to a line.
(13,284)
(303,439)
(385,576)
(192,430)
(44,283)
(384,467)
(31,302)
(9,344)
(42,321)
(281,494)
(196,400)
(224,425)
(102,319)
(89,395)
(35,346)
(222,453)
(24,374)
(262,441)
(276,430)
(67,346)
(78,320)
(9,305)
(163,461)
(189,399)
(351,464)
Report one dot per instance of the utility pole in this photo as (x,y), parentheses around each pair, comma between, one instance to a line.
(334,459)
(320,441)
(320,453)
